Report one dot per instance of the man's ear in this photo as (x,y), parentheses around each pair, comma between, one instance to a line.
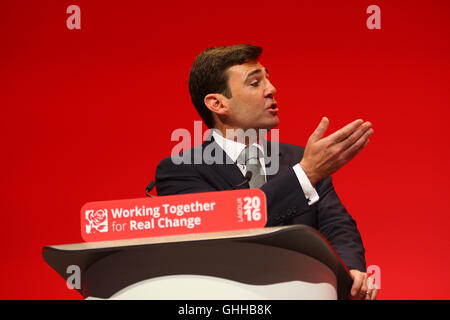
(215,103)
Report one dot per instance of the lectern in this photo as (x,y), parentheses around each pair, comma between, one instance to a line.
(290,262)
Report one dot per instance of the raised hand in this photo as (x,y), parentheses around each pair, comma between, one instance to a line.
(324,156)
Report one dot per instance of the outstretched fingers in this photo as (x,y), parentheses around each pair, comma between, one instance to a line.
(320,130)
(345,132)
(355,147)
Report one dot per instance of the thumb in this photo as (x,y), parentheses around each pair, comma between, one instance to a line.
(320,130)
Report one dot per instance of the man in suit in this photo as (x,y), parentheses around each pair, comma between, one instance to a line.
(232,93)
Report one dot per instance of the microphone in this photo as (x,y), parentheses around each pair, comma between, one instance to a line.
(149,188)
(247,178)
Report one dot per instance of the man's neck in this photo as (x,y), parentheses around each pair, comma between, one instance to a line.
(247,137)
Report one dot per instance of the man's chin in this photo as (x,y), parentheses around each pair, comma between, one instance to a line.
(267,124)
(271,124)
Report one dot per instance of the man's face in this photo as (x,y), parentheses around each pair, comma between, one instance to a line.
(252,104)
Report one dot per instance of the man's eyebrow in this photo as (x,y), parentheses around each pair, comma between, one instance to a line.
(256,71)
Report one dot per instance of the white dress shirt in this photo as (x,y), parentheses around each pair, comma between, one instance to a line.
(233,149)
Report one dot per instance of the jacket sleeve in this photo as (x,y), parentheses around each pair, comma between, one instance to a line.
(284,198)
(338,226)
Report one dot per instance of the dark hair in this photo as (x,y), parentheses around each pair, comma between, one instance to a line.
(208,74)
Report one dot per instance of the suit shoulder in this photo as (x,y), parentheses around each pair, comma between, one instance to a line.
(183,157)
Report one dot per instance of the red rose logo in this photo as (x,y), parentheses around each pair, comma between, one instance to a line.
(97,221)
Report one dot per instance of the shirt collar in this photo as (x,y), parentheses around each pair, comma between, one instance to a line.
(232,148)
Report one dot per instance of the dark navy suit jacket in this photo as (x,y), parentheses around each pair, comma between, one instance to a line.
(286,202)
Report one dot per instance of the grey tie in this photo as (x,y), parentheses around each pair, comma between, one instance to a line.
(253,165)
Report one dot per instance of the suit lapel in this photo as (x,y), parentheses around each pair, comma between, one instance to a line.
(221,163)
(283,166)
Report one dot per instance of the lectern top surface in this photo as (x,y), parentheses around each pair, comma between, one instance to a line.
(167,239)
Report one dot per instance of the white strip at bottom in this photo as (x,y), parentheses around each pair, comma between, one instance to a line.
(196,287)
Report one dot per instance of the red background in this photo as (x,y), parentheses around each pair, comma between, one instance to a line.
(87,114)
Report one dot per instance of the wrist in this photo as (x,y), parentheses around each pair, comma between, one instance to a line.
(312,176)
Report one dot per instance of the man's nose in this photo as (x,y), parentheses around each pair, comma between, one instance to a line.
(270,89)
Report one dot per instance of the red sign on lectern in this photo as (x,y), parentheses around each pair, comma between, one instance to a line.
(173,215)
